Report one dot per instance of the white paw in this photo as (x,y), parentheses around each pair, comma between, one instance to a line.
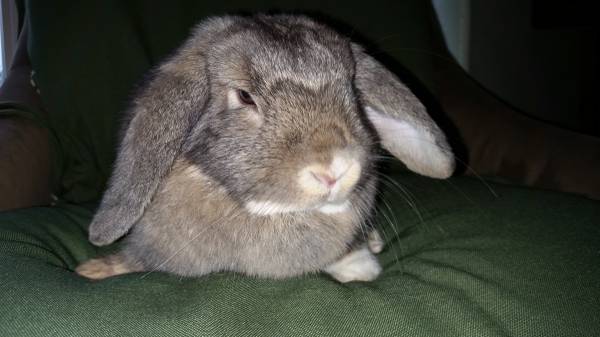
(375,242)
(103,267)
(358,265)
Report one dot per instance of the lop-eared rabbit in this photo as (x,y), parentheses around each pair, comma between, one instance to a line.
(253,149)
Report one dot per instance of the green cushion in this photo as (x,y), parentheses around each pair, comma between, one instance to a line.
(462,262)
(88,56)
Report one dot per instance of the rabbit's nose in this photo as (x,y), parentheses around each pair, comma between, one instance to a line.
(334,179)
(325,178)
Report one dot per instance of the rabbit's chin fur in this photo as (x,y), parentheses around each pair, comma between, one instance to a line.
(201,229)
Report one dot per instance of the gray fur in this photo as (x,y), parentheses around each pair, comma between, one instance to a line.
(189,162)
(199,228)
(382,91)
(160,122)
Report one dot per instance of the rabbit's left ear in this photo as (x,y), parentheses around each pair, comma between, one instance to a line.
(401,121)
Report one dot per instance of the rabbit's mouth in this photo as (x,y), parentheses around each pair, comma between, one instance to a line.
(331,181)
(321,186)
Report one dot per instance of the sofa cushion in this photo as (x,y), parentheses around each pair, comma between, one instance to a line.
(464,260)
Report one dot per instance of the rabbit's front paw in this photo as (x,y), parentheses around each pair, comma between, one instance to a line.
(358,265)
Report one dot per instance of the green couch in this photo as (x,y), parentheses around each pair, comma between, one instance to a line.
(463,257)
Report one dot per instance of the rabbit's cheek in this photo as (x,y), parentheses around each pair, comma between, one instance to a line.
(254,118)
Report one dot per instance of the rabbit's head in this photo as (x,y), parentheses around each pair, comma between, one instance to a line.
(282,130)
(282,112)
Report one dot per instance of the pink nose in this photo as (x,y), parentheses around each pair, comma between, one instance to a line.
(325,179)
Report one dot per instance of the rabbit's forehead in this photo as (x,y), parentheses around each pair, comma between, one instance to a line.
(305,51)
(304,57)
(312,67)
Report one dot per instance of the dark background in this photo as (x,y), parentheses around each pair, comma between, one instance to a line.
(540,56)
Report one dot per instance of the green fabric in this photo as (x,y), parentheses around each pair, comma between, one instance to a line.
(88,56)
(524,263)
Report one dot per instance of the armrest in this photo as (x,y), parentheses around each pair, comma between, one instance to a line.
(502,142)
(26,166)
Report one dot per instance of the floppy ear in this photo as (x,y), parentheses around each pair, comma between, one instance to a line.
(162,117)
(401,121)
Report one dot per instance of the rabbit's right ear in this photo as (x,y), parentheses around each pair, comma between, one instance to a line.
(162,117)
(404,127)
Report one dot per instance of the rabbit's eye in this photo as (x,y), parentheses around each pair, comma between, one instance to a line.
(245,97)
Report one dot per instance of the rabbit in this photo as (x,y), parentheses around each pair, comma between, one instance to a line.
(253,150)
